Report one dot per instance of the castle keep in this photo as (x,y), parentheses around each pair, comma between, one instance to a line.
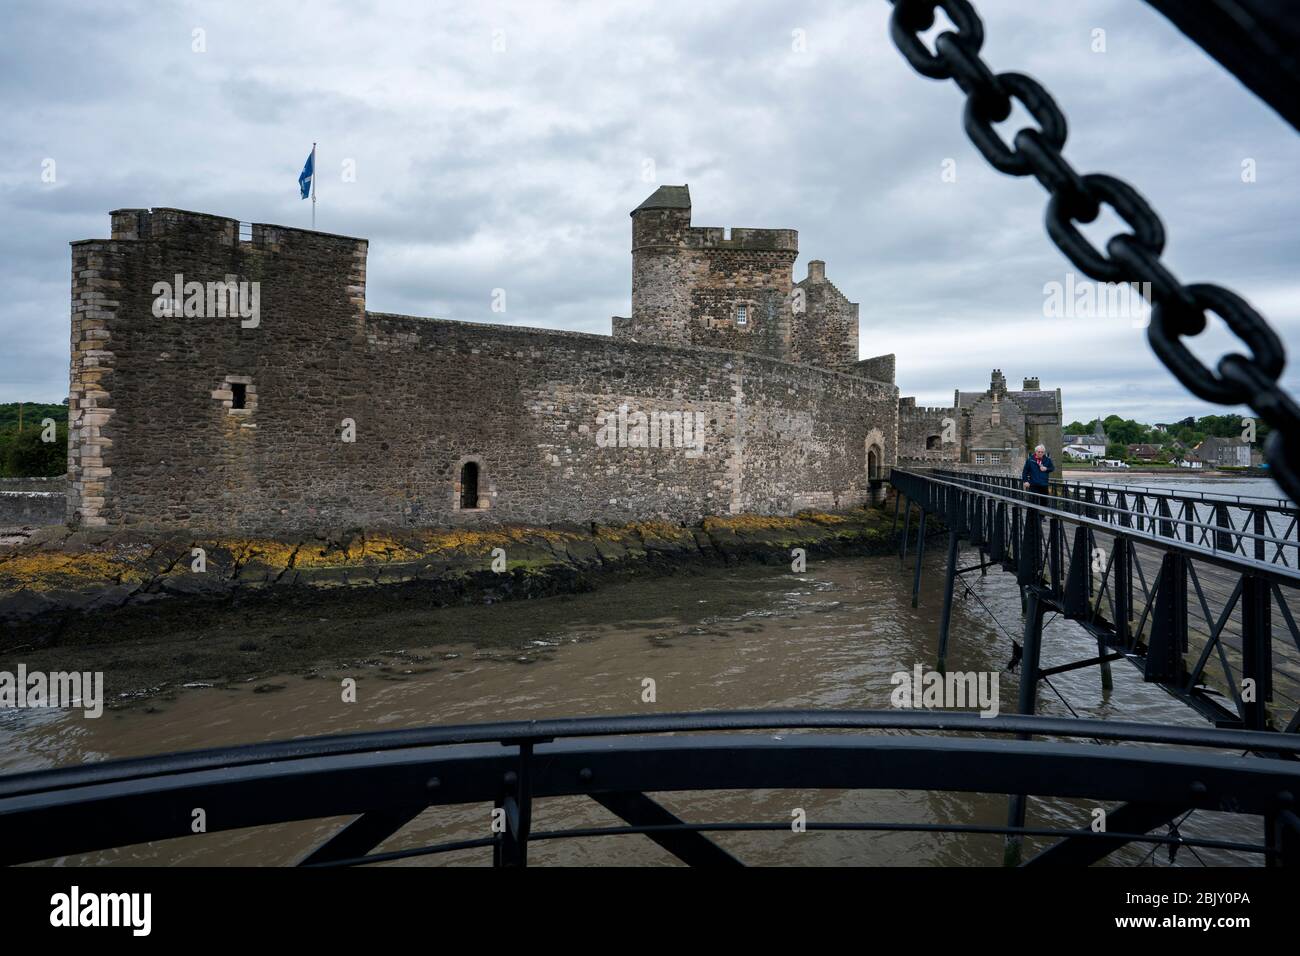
(318,413)
(694,285)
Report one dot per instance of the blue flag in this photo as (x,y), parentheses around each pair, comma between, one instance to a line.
(308,172)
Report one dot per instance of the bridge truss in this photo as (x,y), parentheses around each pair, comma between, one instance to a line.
(1197,591)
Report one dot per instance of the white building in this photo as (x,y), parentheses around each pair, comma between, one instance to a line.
(1077,450)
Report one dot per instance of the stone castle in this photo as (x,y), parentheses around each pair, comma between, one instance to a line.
(730,389)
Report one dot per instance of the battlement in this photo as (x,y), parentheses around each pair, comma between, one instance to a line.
(164,224)
(908,407)
(742,239)
(663,222)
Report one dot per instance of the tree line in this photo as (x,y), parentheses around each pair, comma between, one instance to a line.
(1189,432)
(23,453)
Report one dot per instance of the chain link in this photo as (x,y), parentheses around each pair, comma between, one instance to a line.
(1178,310)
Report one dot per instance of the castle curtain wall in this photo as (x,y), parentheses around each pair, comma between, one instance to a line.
(158,439)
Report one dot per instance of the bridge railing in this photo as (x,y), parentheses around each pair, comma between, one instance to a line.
(1262,529)
(386,779)
(1274,502)
(1215,626)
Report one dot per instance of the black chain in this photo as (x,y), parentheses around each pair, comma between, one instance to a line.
(1177,310)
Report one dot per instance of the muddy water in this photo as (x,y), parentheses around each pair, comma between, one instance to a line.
(712,639)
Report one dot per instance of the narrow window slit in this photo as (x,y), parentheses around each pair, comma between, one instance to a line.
(469,485)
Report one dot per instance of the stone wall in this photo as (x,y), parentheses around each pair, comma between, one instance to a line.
(825,331)
(157,439)
(57,484)
(22,509)
(921,431)
(30,502)
(878,368)
(997,428)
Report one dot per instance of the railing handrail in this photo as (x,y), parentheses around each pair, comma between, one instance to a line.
(1165,541)
(1153,516)
(1276,504)
(52,779)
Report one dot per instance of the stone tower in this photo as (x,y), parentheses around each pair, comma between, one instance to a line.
(700,285)
(697,285)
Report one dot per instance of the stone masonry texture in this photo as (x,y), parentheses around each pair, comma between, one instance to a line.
(157,440)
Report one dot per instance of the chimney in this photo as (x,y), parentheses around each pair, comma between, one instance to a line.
(1031,385)
(817,271)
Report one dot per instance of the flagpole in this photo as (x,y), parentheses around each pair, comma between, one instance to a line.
(313,186)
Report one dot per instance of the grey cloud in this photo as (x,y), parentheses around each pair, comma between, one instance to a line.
(478,170)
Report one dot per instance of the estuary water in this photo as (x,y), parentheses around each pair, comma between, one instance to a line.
(712,639)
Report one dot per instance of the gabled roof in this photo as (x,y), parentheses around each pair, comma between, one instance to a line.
(1035,401)
(667,197)
(1215,442)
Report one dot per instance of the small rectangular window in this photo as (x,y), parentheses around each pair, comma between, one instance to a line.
(239,395)
(742,315)
(995,459)
(979,459)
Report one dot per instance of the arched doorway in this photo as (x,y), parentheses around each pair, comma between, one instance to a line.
(874,459)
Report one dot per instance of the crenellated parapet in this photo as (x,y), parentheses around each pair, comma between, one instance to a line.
(733,289)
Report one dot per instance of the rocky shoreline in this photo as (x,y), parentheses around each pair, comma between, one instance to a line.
(64,587)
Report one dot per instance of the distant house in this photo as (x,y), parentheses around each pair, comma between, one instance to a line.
(1093,445)
(1144,452)
(1224,452)
(1189,460)
(1082,451)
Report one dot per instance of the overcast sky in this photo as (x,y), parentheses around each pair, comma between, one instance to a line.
(502,145)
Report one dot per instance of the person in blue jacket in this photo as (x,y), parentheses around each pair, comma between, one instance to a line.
(1037,471)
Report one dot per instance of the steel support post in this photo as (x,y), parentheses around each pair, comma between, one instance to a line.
(907,529)
(920,552)
(950,579)
(1256,650)
(1030,657)
(511,846)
